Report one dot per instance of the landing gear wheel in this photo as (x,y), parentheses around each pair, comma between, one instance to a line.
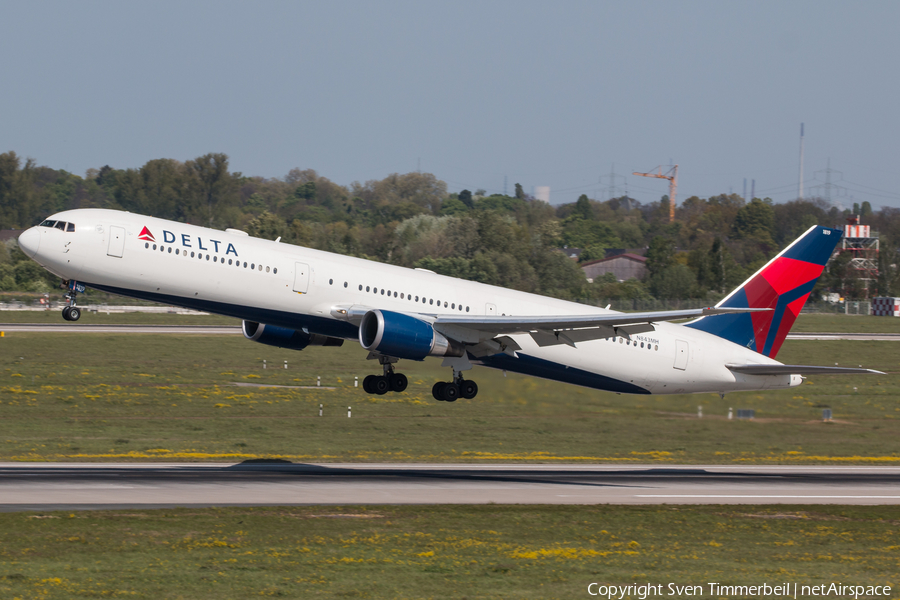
(381,385)
(451,392)
(468,389)
(65,313)
(367,384)
(399,382)
(74,313)
(438,391)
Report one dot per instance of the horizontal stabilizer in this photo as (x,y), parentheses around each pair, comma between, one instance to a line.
(798,370)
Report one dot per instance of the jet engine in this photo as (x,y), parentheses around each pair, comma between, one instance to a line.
(402,336)
(283,337)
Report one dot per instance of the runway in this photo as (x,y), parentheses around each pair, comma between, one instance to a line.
(49,486)
(236,330)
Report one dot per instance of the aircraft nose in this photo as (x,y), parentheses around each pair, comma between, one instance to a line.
(29,241)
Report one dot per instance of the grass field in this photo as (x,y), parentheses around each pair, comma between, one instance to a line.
(54,317)
(167,397)
(439,551)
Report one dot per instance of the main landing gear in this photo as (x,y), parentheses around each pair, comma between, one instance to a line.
(71,312)
(389,382)
(449,391)
(445,391)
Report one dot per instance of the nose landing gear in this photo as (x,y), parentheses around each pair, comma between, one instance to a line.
(389,382)
(71,312)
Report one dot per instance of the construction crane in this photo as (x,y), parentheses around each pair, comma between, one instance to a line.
(672,176)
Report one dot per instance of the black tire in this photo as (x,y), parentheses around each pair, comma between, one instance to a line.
(450,392)
(381,385)
(65,313)
(74,313)
(437,391)
(367,384)
(468,389)
(399,382)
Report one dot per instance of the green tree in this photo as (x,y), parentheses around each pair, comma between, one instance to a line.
(755,223)
(676,282)
(660,255)
(269,227)
(520,193)
(583,207)
(452,206)
(214,185)
(10,206)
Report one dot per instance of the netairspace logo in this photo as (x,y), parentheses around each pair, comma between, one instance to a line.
(713,588)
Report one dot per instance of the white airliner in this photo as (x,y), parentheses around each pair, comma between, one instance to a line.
(293,297)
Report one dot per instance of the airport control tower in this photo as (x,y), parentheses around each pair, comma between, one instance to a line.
(862,245)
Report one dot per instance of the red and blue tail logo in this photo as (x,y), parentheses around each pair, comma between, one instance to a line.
(783,285)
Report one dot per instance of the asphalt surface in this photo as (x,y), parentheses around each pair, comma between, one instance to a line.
(48,486)
(236,330)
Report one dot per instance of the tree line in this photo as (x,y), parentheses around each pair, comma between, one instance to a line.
(413,220)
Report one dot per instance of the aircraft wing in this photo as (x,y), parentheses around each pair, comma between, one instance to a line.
(798,370)
(566,329)
(498,324)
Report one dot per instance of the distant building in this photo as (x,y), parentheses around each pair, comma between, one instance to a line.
(542,192)
(572,253)
(623,266)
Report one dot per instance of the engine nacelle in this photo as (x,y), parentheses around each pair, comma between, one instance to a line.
(402,336)
(283,337)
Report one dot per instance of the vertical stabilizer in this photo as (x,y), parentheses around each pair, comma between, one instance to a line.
(783,285)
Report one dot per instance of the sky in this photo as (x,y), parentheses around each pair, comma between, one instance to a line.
(477,92)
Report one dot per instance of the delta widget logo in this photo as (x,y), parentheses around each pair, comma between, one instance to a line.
(146,235)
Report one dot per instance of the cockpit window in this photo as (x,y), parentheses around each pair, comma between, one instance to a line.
(48,223)
(70,227)
(61,225)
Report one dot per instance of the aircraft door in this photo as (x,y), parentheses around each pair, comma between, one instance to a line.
(490,309)
(116,242)
(301,277)
(681,355)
